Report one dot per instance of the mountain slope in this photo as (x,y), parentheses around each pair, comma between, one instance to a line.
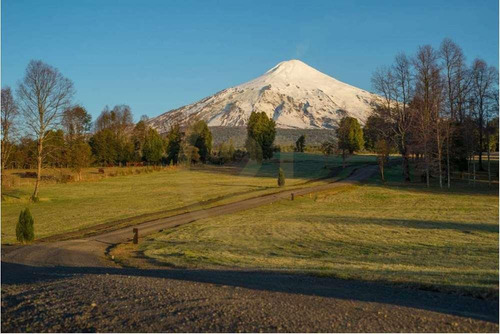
(293,93)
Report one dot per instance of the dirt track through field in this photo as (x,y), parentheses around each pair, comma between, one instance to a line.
(71,286)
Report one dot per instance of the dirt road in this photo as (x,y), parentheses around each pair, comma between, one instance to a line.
(70,286)
(89,251)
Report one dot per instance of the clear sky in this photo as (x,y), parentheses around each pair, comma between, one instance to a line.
(159,55)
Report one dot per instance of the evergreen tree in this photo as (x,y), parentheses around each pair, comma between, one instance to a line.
(281,178)
(104,147)
(138,138)
(300,144)
(25,230)
(153,147)
(350,137)
(374,130)
(261,132)
(174,143)
(201,138)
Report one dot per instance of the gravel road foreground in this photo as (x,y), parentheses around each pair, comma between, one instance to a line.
(112,299)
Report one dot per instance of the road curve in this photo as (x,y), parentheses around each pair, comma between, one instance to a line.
(69,286)
(89,251)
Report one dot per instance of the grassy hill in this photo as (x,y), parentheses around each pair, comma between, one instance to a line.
(125,194)
(400,233)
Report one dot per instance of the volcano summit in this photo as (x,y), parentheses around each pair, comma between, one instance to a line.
(293,93)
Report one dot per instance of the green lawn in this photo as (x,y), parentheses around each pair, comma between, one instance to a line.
(76,205)
(447,240)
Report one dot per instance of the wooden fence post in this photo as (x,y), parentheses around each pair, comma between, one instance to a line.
(136,235)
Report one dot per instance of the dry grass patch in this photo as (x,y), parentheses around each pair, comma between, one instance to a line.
(407,235)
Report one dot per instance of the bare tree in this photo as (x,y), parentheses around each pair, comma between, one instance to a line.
(456,86)
(396,87)
(43,94)
(76,122)
(491,111)
(483,81)
(428,99)
(118,119)
(8,117)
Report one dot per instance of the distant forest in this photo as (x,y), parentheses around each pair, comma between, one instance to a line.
(284,137)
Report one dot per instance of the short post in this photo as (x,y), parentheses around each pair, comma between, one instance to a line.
(293,196)
(136,235)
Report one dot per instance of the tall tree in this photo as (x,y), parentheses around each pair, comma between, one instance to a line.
(376,128)
(119,122)
(8,118)
(456,86)
(174,144)
(349,136)
(43,94)
(139,135)
(118,119)
(428,103)
(79,156)
(154,147)
(104,147)
(396,87)
(300,144)
(484,78)
(201,138)
(77,122)
(261,132)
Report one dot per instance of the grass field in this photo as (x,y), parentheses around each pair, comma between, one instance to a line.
(405,234)
(66,207)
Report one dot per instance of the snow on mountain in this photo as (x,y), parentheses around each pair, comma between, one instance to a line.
(293,93)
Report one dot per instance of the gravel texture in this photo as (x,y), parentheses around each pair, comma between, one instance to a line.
(69,299)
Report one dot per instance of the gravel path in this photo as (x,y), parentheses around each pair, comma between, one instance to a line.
(127,300)
(70,286)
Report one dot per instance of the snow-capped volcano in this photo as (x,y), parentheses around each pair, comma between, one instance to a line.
(293,93)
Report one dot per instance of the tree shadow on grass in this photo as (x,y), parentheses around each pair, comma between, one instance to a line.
(487,310)
(402,223)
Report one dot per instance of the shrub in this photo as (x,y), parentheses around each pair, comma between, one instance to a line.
(281,178)
(65,178)
(240,155)
(30,175)
(25,231)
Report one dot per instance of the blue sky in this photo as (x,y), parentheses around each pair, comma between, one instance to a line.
(159,55)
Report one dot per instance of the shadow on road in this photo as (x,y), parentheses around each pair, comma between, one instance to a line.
(487,310)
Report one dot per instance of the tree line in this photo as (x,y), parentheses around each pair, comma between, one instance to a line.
(433,107)
(438,109)
(41,127)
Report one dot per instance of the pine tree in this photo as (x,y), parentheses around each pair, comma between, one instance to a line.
(201,138)
(261,131)
(300,144)
(25,231)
